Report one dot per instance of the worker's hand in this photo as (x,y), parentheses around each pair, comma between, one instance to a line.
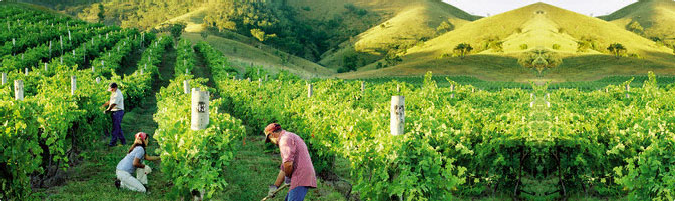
(147,169)
(271,191)
(287,180)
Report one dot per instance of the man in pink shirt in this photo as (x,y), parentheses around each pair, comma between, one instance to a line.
(296,163)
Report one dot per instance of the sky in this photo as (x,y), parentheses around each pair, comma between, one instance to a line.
(586,7)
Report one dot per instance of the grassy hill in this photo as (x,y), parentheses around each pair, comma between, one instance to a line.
(405,23)
(537,26)
(656,17)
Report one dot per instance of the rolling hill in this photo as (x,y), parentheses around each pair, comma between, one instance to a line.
(537,26)
(656,17)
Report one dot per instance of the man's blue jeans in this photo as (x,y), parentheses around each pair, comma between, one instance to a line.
(296,194)
(117,128)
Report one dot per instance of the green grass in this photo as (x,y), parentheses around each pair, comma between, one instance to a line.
(655,16)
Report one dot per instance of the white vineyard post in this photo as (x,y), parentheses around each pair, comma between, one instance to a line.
(18,90)
(398,89)
(260,82)
(98,80)
(26,71)
(363,87)
(309,90)
(200,109)
(93,69)
(186,71)
(248,79)
(46,67)
(452,89)
(627,88)
(266,78)
(186,86)
(73,85)
(397,115)
(4,78)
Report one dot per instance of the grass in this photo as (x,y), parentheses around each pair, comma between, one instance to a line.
(242,55)
(655,16)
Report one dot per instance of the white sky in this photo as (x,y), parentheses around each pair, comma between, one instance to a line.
(586,7)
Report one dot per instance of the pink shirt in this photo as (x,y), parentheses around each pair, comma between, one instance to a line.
(293,148)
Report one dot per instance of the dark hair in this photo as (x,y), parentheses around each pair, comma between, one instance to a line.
(113,85)
(136,144)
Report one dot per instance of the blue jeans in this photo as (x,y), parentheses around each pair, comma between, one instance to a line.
(296,194)
(117,128)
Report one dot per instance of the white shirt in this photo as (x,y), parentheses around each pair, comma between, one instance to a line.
(117,99)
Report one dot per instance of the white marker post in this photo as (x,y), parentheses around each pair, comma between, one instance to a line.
(186,87)
(398,89)
(98,80)
(627,88)
(452,89)
(4,78)
(200,109)
(260,82)
(309,90)
(73,85)
(363,86)
(46,67)
(26,71)
(18,90)
(397,115)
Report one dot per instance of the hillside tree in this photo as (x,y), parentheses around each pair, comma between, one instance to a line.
(177,29)
(617,49)
(463,49)
(101,13)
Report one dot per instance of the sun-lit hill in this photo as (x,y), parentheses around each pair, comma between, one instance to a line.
(655,16)
(537,26)
(242,55)
(404,22)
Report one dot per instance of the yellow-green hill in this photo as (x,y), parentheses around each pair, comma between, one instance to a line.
(656,17)
(537,26)
(404,22)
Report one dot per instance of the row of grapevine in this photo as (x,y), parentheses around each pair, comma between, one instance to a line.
(42,33)
(194,160)
(34,55)
(474,143)
(185,57)
(51,123)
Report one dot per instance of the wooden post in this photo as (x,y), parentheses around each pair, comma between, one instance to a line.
(18,90)
(186,86)
(200,109)
(452,89)
(472,89)
(4,78)
(260,82)
(73,85)
(363,86)
(627,88)
(266,78)
(397,115)
(309,90)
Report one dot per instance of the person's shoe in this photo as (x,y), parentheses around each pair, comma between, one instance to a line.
(117,184)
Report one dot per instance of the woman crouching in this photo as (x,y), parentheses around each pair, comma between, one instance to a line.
(133,163)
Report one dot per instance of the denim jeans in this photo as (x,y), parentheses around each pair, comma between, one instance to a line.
(117,128)
(296,194)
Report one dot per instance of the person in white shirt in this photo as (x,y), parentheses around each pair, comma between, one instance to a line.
(116,106)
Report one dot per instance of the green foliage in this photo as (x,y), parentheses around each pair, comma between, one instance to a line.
(586,43)
(556,46)
(617,49)
(350,62)
(635,27)
(101,13)
(492,42)
(177,29)
(444,27)
(463,49)
(194,160)
(523,46)
(540,59)
(260,35)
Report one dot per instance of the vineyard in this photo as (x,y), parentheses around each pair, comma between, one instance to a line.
(463,138)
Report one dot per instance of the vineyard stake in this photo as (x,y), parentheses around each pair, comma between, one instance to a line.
(4,78)
(73,85)
(309,90)
(627,88)
(362,86)
(186,87)
(200,109)
(98,80)
(26,71)
(397,115)
(18,90)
